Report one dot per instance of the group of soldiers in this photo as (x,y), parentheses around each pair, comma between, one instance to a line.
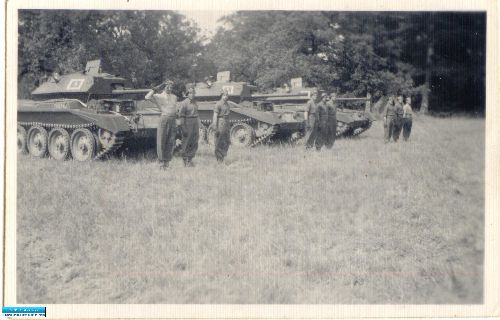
(397,117)
(321,121)
(187,113)
(320,115)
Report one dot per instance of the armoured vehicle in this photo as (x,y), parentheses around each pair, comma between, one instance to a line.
(76,115)
(89,114)
(352,119)
(253,122)
(285,106)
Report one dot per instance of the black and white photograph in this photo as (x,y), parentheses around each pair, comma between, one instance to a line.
(271,156)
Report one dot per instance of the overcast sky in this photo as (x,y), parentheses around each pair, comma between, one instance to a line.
(206,20)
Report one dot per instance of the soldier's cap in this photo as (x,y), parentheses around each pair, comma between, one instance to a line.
(224,92)
(168,82)
(190,90)
(324,94)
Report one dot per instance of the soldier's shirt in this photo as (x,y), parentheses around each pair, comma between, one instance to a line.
(391,110)
(311,107)
(399,109)
(167,103)
(332,109)
(188,109)
(222,108)
(322,111)
(407,111)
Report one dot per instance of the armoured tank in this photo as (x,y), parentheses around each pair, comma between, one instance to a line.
(281,110)
(352,119)
(76,115)
(253,122)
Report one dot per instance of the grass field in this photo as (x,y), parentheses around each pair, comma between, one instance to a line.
(365,222)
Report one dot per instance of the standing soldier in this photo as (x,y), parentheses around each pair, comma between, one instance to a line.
(221,126)
(389,118)
(188,116)
(311,120)
(407,119)
(398,123)
(331,105)
(322,122)
(166,101)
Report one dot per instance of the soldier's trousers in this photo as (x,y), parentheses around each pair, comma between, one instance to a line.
(222,139)
(322,134)
(190,136)
(165,138)
(332,132)
(398,125)
(389,129)
(407,124)
(311,131)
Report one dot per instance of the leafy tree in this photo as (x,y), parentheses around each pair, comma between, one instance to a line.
(144,46)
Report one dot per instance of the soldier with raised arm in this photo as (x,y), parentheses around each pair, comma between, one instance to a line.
(222,126)
(188,116)
(166,102)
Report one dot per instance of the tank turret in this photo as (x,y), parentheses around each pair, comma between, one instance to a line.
(92,83)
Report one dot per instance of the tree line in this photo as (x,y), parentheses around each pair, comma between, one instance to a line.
(438,58)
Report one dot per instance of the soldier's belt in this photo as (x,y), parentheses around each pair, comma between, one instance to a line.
(196,116)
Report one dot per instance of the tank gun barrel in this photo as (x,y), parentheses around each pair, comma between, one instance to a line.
(129,91)
(275,95)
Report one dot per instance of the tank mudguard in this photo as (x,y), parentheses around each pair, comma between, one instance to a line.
(266,117)
(112,122)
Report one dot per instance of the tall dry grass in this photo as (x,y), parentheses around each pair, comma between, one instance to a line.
(365,222)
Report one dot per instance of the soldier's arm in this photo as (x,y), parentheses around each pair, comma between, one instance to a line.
(215,119)
(182,113)
(149,95)
(306,110)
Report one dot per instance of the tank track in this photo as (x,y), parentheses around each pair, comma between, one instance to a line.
(89,125)
(342,132)
(265,137)
(119,139)
(118,142)
(208,122)
(359,131)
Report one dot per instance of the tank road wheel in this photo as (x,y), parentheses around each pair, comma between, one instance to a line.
(59,144)
(203,134)
(21,140)
(83,145)
(242,135)
(106,138)
(37,141)
(211,136)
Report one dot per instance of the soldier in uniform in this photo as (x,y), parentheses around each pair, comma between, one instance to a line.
(222,126)
(398,123)
(322,114)
(166,101)
(389,119)
(311,120)
(332,120)
(188,116)
(407,119)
